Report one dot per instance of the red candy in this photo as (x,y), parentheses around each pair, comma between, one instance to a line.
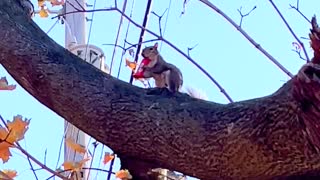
(139,73)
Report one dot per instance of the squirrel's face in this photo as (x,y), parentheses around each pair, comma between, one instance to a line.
(150,52)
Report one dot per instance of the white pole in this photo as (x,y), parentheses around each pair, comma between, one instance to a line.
(76,23)
(75,34)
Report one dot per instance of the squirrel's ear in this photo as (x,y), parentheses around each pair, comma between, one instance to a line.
(155,45)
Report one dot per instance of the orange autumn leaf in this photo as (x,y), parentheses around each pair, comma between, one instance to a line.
(5,153)
(43,12)
(76,147)
(74,166)
(131,65)
(4,145)
(123,174)
(57,2)
(15,132)
(4,84)
(18,127)
(9,173)
(107,157)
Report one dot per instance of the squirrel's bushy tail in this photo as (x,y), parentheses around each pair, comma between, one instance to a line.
(196,93)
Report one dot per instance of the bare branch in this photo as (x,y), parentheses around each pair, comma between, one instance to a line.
(45,157)
(191,48)
(185,2)
(258,46)
(244,15)
(131,45)
(159,20)
(79,5)
(111,167)
(298,10)
(95,144)
(87,11)
(117,37)
(290,29)
(297,49)
(77,9)
(32,169)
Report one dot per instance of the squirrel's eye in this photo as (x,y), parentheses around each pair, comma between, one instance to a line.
(151,49)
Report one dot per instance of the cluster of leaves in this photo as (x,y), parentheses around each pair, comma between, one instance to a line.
(76,166)
(44,11)
(9,136)
(14,131)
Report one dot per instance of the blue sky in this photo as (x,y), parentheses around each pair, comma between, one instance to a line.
(242,70)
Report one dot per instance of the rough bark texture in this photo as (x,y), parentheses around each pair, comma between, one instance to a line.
(270,137)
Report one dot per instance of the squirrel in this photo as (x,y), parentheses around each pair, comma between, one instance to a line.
(164,74)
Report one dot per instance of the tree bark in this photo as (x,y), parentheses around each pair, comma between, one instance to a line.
(275,136)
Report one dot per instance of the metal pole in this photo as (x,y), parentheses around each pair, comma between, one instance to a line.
(144,25)
(75,33)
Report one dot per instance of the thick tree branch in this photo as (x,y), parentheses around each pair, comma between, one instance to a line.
(272,136)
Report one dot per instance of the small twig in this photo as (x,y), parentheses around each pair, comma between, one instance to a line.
(244,15)
(100,160)
(52,26)
(33,170)
(185,2)
(95,144)
(117,37)
(299,53)
(111,167)
(60,172)
(80,5)
(124,44)
(40,164)
(159,20)
(191,48)
(37,169)
(127,42)
(60,147)
(131,45)
(45,157)
(298,10)
(298,50)
(290,29)
(87,11)
(77,9)
(258,46)
(116,45)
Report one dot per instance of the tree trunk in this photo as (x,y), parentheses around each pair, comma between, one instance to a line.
(275,136)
